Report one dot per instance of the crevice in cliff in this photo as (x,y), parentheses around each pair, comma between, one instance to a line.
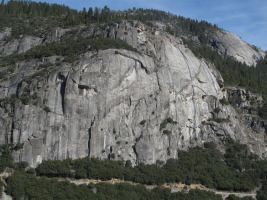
(12,132)
(200,89)
(130,101)
(86,87)
(90,136)
(135,152)
(143,67)
(62,90)
(83,87)
(74,81)
(158,82)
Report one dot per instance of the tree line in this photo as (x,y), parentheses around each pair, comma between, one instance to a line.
(35,18)
(23,185)
(237,170)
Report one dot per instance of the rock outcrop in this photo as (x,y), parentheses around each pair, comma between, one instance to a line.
(5,33)
(25,43)
(249,104)
(120,104)
(229,44)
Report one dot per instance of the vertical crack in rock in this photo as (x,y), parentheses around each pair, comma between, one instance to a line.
(158,82)
(135,152)
(62,90)
(90,136)
(130,101)
(10,128)
(6,135)
(12,132)
(143,67)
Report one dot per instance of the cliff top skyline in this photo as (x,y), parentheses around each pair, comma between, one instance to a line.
(247,19)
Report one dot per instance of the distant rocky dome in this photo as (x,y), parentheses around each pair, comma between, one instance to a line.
(229,44)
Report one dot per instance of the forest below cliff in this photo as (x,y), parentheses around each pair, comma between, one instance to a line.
(236,170)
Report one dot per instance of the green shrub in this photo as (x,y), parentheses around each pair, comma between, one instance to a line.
(263,111)
(1,188)
(167,132)
(223,101)
(25,98)
(234,197)
(210,145)
(18,146)
(31,171)
(8,101)
(163,125)
(6,159)
(47,109)
(143,122)
(21,165)
(112,156)
(217,110)
(170,120)
(219,120)
(52,168)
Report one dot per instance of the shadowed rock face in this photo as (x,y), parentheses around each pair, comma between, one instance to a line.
(228,44)
(141,107)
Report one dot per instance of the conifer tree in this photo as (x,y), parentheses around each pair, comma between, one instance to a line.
(97,14)
(90,13)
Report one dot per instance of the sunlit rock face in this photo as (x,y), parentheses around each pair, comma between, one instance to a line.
(121,104)
(230,45)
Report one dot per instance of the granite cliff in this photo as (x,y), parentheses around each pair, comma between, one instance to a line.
(141,106)
(229,44)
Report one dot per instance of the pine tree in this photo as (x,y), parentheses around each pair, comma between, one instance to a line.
(84,15)
(90,13)
(97,14)
(105,14)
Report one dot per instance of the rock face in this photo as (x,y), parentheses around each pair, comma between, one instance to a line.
(5,197)
(248,103)
(121,104)
(5,33)
(228,44)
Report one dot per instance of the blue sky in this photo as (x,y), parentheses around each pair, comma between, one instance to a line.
(245,18)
